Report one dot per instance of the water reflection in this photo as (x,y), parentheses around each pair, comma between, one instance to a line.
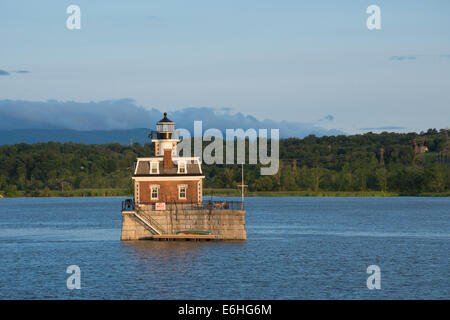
(169,268)
(164,249)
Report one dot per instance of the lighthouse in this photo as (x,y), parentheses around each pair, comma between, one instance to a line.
(168,198)
(165,129)
(167,179)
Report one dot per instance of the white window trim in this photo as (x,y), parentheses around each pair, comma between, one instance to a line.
(152,187)
(157,167)
(199,191)
(184,165)
(136,191)
(185,191)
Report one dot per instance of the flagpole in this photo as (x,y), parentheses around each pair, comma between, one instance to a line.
(242,186)
(242,183)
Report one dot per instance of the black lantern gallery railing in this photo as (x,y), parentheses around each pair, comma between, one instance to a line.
(129,205)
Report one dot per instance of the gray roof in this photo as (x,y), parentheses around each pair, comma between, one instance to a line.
(143,169)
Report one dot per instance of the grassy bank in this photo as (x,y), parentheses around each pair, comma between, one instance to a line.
(299,193)
(220,193)
(109,192)
(306,193)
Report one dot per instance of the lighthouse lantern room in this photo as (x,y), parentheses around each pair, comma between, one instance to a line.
(165,130)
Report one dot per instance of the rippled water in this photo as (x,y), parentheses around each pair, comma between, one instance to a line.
(297,248)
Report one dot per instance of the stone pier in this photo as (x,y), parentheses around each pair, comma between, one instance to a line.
(145,224)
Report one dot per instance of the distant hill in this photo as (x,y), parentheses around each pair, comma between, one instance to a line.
(123,137)
(8,137)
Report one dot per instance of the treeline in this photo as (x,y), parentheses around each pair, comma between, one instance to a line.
(391,162)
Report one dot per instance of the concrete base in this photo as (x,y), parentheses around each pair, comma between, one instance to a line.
(223,224)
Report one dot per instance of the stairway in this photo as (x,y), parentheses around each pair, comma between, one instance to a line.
(149,223)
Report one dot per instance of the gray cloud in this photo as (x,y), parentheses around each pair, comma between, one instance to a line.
(383,128)
(328,117)
(414,57)
(401,58)
(125,114)
(7,73)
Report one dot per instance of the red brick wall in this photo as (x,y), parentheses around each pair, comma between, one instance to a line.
(168,191)
(168,159)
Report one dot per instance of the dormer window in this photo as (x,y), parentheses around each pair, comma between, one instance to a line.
(154,167)
(182,167)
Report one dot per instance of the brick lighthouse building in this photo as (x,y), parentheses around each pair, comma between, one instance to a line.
(168,203)
(166,178)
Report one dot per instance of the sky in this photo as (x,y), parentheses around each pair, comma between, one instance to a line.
(311,62)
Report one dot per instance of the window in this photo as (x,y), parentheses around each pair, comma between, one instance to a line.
(182,167)
(165,127)
(182,191)
(154,167)
(154,192)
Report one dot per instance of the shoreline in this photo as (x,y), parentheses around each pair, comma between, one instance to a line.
(209,192)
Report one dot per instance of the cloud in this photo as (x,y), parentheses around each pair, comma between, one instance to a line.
(401,58)
(328,117)
(383,128)
(227,120)
(7,73)
(423,56)
(53,114)
(125,114)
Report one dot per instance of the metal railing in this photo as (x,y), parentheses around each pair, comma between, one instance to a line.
(207,205)
(223,205)
(150,223)
(128,205)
